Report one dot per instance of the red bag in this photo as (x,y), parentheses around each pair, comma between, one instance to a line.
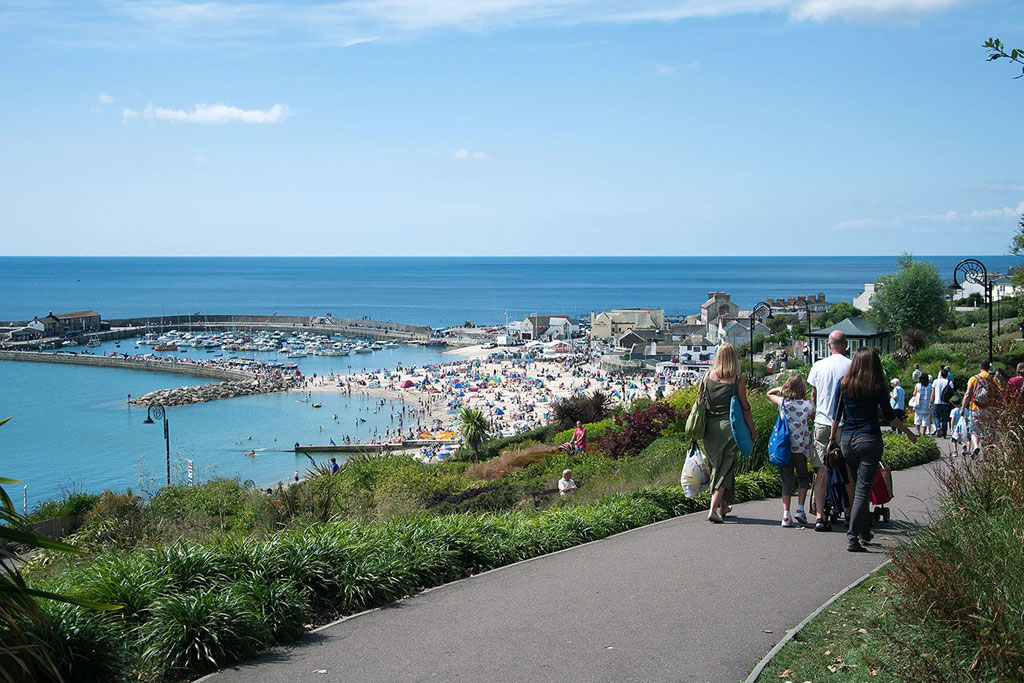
(880,491)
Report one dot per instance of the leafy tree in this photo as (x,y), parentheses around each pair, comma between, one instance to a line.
(1017,249)
(837,313)
(912,298)
(996,50)
(474,427)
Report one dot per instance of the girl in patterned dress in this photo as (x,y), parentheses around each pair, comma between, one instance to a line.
(793,396)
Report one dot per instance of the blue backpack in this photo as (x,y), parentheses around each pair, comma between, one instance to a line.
(780,446)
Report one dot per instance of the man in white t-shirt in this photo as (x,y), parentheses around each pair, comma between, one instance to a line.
(566,485)
(942,407)
(825,376)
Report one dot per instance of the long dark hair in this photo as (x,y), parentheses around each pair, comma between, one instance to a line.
(864,379)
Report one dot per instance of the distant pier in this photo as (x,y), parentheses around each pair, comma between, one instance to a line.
(132,363)
(121,328)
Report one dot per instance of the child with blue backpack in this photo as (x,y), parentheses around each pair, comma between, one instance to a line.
(791,398)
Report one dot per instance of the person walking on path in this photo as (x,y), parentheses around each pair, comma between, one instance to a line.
(897,399)
(942,391)
(723,382)
(924,392)
(1015,388)
(916,374)
(824,378)
(861,395)
(792,399)
(982,390)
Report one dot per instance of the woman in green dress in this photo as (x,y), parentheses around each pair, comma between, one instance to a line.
(723,382)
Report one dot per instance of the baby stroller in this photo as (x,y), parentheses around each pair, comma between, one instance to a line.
(881,493)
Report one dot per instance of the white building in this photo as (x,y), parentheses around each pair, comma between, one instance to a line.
(548,327)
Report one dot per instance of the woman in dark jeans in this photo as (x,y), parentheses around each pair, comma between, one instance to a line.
(862,395)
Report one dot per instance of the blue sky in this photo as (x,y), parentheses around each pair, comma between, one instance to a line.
(508,127)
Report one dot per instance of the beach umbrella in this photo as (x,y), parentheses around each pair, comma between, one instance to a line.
(407,383)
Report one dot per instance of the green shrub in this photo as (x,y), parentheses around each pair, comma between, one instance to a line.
(494,446)
(73,503)
(189,634)
(901,454)
(89,647)
(595,430)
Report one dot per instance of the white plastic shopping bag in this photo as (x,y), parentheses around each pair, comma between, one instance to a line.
(695,477)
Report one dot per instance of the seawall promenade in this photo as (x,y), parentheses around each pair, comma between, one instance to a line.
(153,365)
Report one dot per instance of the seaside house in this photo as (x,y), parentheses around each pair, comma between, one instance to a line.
(800,305)
(717,306)
(736,331)
(57,324)
(859,332)
(549,327)
(697,350)
(24,334)
(613,323)
(863,300)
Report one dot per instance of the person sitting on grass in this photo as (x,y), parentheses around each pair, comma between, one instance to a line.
(579,437)
(566,485)
(793,396)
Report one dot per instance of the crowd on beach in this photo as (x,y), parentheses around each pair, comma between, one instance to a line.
(850,400)
(514,394)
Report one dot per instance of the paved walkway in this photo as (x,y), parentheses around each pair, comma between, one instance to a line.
(682,600)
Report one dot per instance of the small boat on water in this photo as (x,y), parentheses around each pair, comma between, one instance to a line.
(93,342)
(363,349)
(317,405)
(166,347)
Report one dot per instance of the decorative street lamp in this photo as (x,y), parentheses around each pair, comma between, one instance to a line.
(759,309)
(975,272)
(156,410)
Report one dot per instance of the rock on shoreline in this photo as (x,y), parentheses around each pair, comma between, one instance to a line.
(210,392)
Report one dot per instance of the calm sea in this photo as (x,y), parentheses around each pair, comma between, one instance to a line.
(73,429)
(425,291)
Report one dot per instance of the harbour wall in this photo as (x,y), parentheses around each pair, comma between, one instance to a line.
(152,365)
(369,329)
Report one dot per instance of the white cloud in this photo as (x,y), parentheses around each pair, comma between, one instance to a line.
(213,114)
(1001,187)
(821,10)
(333,23)
(104,98)
(463,154)
(919,222)
(664,69)
(351,42)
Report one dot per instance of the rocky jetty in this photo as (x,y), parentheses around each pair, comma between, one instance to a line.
(211,392)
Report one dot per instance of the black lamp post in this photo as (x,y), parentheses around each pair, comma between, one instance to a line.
(974,271)
(759,309)
(156,410)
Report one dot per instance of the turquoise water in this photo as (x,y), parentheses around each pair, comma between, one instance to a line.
(72,427)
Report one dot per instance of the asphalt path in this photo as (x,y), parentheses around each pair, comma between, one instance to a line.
(680,600)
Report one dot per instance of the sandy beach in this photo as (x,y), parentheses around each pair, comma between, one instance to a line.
(515,394)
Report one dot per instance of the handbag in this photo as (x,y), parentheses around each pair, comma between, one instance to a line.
(780,444)
(914,400)
(833,455)
(696,423)
(740,431)
(695,477)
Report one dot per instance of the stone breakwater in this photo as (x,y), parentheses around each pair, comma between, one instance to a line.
(211,392)
(130,363)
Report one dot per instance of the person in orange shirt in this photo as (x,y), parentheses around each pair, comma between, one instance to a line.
(982,391)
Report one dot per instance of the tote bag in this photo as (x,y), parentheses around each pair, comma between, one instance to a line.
(696,423)
(740,431)
(780,445)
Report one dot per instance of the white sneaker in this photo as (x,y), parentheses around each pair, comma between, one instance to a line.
(800,517)
(787,522)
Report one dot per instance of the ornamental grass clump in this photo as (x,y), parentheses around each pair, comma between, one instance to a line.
(958,585)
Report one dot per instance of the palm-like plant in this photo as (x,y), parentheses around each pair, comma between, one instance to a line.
(25,655)
(474,428)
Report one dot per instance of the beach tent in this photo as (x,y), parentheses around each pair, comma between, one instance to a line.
(407,383)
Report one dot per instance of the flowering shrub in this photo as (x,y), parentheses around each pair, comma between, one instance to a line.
(637,430)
